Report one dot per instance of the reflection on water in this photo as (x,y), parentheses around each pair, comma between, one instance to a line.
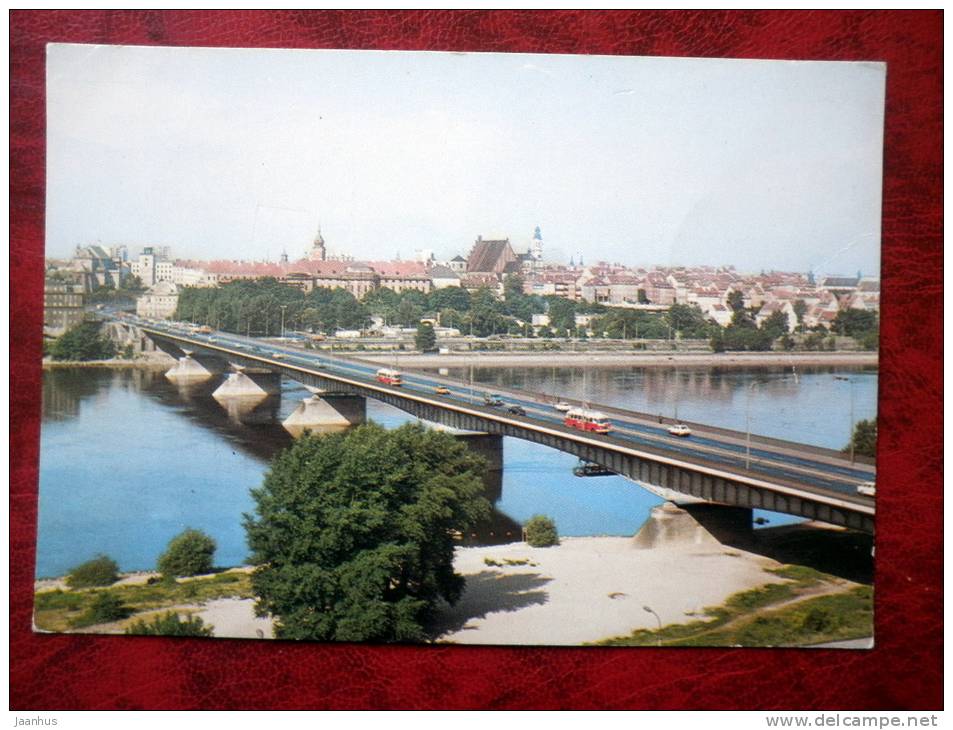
(807,404)
(129,459)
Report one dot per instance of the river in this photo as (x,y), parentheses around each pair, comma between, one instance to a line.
(128,460)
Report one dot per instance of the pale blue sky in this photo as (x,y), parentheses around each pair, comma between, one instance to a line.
(225,153)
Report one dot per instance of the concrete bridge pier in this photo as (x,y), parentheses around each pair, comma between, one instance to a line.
(727,524)
(326,412)
(695,524)
(189,369)
(244,383)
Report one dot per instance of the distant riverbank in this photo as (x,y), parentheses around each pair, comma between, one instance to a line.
(157,360)
(628,359)
(160,360)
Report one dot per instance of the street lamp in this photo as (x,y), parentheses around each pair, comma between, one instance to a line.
(748,423)
(283,308)
(658,636)
(851,381)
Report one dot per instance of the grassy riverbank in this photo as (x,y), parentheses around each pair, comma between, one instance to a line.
(61,609)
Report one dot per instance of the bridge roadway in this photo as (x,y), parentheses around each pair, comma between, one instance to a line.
(712,464)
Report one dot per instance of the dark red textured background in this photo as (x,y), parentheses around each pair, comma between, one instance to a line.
(903,672)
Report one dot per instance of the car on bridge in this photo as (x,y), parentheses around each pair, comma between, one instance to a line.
(563,407)
(679,429)
(516,410)
(442,390)
(867,489)
(493,400)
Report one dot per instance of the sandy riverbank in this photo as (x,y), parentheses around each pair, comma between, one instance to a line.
(583,590)
(591,588)
(235,618)
(628,359)
(586,589)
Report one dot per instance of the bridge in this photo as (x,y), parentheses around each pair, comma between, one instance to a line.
(713,465)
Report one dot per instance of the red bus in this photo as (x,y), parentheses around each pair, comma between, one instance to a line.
(389,377)
(586,420)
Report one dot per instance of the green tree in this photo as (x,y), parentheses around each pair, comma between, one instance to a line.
(870,340)
(512,288)
(132,283)
(450,297)
(100,571)
(864,438)
(353,532)
(106,607)
(689,321)
(383,302)
(83,342)
(775,324)
(628,324)
(854,322)
(562,314)
(486,314)
(451,318)
(736,301)
(169,624)
(426,339)
(409,312)
(746,337)
(541,532)
(188,553)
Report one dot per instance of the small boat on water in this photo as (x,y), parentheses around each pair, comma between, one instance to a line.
(590,469)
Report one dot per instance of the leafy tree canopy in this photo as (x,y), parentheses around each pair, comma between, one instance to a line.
(169,624)
(100,571)
(736,301)
(353,533)
(259,307)
(541,532)
(426,339)
(689,321)
(854,322)
(450,297)
(188,553)
(864,438)
(562,314)
(776,324)
(83,342)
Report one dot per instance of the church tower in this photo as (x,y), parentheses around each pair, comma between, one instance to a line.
(318,251)
(536,248)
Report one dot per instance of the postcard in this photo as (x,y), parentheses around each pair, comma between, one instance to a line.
(460,348)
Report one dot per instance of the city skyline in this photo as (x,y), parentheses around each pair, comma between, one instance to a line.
(242,154)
